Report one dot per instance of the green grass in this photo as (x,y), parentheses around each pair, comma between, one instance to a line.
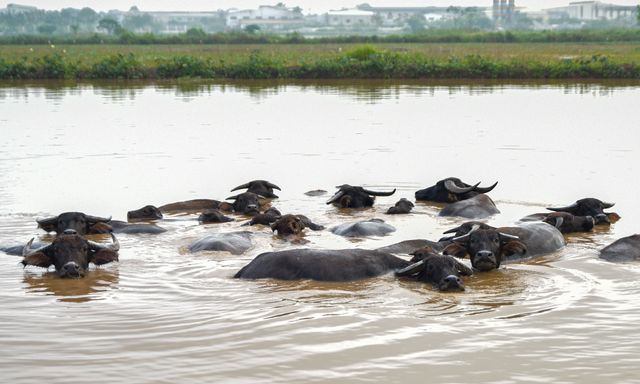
(266,61)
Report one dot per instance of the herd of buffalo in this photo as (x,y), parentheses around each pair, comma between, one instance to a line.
(433,262)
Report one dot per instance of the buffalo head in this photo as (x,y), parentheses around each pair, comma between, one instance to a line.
(451,190)
(590,207)
(247,203)
(148,212)
(259,187)
(402,206)
(213,216)
(442,271)
(71,254)
(288,225)
(77,221)
(485,247)
(568,223)
(355,197)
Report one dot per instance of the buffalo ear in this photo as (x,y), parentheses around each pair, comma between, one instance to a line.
(514,247)
(39,259)
(463,269)
(613,217)
(100,227)
(48,224)
(103,256)
(456,250)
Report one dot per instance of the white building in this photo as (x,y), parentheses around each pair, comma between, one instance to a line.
(265,15)
(351,18)
(393,16)
(592,10)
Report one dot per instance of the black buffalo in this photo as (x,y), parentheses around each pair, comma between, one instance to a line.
(486,247)
(246,203)
(293,225)
(402,206)
(79,222)
(259,187)
(265,218)
(349,196)
(591,207)
(451,190)
(624,249)
(234,242)
(372,227)
(151,212)
(477,207)
(71,254)
(213,216)
(442,271)
(341,265)
(564,221)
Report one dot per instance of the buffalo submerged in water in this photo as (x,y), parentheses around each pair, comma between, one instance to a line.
(354,264)
(451,190)
(349,196)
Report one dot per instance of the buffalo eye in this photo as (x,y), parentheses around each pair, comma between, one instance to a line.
(496,240)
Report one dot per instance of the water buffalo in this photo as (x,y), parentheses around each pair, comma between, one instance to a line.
(591,207)
(71,254)
(293,225)
(259,187)
(373,227)
(486,247)
(624,249)
(355,197)
(451,190)
(564,221)
(213,216)
(150,212)
(81,223)
(316,192)
(410,246)
(402,206)
(442,271)
(265,218)
(341,265)
(135,228)
(246,203)
(477,207)
(235,243)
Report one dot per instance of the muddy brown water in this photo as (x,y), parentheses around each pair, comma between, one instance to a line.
(163,315)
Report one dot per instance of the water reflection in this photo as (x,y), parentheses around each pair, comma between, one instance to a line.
(80,290)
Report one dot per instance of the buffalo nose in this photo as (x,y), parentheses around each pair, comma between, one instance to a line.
(484,254)
(452,282)
(70,269)
(252,206)
(602,218)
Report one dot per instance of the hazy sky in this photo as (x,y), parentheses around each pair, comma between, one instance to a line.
(307,5)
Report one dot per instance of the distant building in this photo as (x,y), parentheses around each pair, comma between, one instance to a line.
(274,17)
(592,10)
(351,18)
(503,10)
(15,9)
(399,15)
(180,22)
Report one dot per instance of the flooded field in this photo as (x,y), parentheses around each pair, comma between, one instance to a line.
(165,315)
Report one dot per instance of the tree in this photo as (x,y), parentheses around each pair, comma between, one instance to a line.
(46,29)
(252,28)
(416,23)
(638,14)
(110,25)
(74,28)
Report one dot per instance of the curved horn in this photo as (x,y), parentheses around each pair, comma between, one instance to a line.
(336,197)
(374,193)
(451,186)
(27,251)
(486,189)
(411,269)
(271,185)
(97,219)
(607,205)
(559,221)
(564,209)
(474,228)
(114,246)
(243,186)
(508,236)
(453,230)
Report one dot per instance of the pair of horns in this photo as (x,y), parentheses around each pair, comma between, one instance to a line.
(573,206)
(236,196)
(54,219)
(452,187)
(476,227)
(342,191)
(114,246)
(264,182)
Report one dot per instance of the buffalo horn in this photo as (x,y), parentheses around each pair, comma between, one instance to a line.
(474,228)
(97,219)
(486,189)
(27,251)
(607,205)
(564,209)
(374,193)
(271,185)
(336,197)
(114,246)
(453,230)
(243,186)
(451,186)
(411,269)
(508,236)
(559,221)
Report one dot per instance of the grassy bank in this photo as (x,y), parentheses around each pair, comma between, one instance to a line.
(322,61)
